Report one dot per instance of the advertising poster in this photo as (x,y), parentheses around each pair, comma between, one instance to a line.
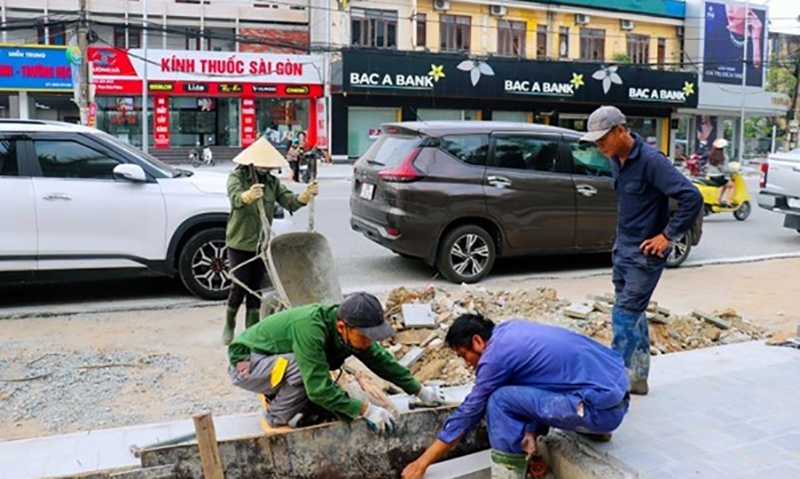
(725,39)
(35,69)
(322,124)
(706,131)
(161,118)
(248,118)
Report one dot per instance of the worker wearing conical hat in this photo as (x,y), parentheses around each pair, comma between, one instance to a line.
(244,223)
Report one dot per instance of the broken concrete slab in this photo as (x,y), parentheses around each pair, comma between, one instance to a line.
(412,356)
(603,307)
(412,337)
(578,311)
(472,466)
(712,320)
(418,316)
(322,452)
(656,318)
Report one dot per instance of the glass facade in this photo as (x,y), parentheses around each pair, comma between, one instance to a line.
(281,119)
(121,116)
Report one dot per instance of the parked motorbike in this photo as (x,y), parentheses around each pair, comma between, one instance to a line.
(691,166)
(307,165)
(741,203)
(204,158)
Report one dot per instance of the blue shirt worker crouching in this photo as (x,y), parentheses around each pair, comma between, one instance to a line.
(645,180)
(528,378)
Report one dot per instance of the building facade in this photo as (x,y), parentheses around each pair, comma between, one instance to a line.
(194,97)
(545,62)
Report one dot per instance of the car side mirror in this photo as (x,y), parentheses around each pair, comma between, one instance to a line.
(130,172)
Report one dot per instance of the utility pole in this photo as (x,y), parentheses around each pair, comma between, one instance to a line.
(83,46)
(145,86)
(744,81)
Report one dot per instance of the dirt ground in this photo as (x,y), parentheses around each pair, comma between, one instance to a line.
(67,374)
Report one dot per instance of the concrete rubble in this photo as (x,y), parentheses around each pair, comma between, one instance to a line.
(432,361)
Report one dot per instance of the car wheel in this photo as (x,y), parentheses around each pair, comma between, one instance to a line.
(203,264)
(680,251)
(466,255)
(743,212)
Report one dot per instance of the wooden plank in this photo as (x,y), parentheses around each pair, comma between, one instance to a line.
(207,443)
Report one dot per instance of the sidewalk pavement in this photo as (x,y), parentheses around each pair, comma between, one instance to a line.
(325,171)
(723,412)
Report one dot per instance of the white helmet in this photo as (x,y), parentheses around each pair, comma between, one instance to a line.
(720,143)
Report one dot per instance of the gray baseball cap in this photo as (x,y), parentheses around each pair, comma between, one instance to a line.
(364,312)
(603,120)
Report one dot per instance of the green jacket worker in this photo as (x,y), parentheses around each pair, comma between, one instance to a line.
(244,223)
(288,357)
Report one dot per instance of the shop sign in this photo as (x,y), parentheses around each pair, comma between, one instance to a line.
(297,90)
(195,88)
(205,66)
(161,119)
(249,130)
(268,89)
(230,88)
(35,68)
(92,115)
(408,73)
(322,123)
(161,87)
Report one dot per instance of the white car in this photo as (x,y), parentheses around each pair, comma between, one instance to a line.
(78,203)
(780,186)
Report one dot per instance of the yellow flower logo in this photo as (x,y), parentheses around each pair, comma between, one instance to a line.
(437,72)
(577,80)
(688,88)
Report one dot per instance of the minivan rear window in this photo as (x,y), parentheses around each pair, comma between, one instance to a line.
(391,150)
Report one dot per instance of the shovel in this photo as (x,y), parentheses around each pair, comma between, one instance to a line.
(304,264)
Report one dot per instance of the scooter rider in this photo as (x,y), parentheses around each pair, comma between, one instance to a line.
(718,172)
(244,223)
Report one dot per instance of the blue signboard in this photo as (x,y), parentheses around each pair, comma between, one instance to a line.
(34,68)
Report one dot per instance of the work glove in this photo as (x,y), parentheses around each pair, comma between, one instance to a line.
(431,395)
(379,419)
(311,191)
(254,193)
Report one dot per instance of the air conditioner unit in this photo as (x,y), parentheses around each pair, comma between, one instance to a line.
(627,24)
(441,5)
(498,10)
(581,19)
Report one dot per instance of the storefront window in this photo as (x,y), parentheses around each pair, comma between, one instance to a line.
(53,107)
(121,117)
(426,114)
(648,128)
(281,119)
(514,116)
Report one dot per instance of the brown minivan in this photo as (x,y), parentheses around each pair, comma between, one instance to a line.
(460,194)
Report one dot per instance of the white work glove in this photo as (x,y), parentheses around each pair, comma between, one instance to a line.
(379,419)
(254,193)
(311,191)
(431,395)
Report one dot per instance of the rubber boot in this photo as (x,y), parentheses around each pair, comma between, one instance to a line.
(509,466)
(632,342)
(230,326)
(253,317)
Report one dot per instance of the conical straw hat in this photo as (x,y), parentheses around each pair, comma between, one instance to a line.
(261,154)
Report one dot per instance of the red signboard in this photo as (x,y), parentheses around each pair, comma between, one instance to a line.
(322,123)
(161,117)
(249,129)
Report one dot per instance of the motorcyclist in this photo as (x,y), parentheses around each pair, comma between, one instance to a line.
(718,172)
(244,223)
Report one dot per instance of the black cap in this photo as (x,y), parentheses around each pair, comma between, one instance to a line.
(364,312)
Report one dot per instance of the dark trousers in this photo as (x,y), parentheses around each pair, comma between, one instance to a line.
(252,274)
(295,166)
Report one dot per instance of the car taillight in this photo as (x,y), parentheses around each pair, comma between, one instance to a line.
(762,183)
(405,172)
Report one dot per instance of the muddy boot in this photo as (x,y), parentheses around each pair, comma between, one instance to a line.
(509,466)
(639,386)
(230,326)
(253,317)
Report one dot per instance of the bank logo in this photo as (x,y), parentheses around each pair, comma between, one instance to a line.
(577,81)
(437,72)
(608,75)
(688,88)
(476,68)
(105,58)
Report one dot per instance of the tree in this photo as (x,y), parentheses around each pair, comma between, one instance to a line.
(621,57)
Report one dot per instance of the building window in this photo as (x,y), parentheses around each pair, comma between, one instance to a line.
(541,42)
(374,28)
(662,53)
(455,32)
(195,41)
(639,48)
(422,29)
(563,42)
(57,35)
(134,38)
(511,38)
(593,44)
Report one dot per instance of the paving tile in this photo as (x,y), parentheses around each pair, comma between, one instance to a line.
(789,442)
(22,469)
(641,458)
(696,467)
(777,424)
(754,457)
(660,474)
(714,440)
(678,449)
(80,462)
(781,471)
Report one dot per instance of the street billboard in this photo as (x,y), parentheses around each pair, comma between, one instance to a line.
(34,68)
(725,39)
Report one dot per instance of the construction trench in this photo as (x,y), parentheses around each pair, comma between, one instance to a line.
(421,318)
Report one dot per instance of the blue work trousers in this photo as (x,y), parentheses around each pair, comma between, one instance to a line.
(513,410)
(635,278)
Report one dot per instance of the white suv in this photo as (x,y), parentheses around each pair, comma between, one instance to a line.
(79,201)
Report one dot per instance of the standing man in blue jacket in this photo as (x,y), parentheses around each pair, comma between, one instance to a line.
(645,180)
(529,377)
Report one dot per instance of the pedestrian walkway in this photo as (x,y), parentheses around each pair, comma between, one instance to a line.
(726,412)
